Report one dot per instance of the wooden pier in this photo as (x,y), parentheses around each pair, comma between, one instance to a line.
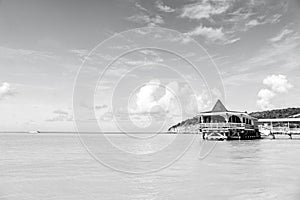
(279,126)
(223,124)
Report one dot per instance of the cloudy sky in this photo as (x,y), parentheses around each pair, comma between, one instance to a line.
(249,57)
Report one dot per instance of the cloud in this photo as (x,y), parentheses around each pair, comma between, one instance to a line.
(208,32)
(107,116)
(154,101)
(252,23)
(81,53)
(145,100)
(99,107)
(5,90)
(204,9)
(276,84)
(60,112)
(212,34)
(11,53)
(94,58)
(264,98)
(145,16)
(281,35)
(182,38)
(164,8)
(146,19)
(140,7)
(60,116)
(262,20)
(171,90)
(202,101)
(232,17)
(170,99)
(282,50)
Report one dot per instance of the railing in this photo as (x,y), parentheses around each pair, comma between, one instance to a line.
(295,130)
(280,129)
(226,125)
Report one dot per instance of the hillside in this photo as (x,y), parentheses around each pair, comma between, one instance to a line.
(269,114)
(278,113)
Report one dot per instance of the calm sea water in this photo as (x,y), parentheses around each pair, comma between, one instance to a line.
(58,166)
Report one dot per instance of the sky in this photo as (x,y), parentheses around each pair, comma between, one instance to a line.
(143,65)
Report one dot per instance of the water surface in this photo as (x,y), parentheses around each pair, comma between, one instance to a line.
(57,166)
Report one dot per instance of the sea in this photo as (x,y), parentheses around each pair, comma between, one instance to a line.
(52,166)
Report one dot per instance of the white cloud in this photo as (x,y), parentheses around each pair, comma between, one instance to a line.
(171,92)
(252,23)
(5,90)
(145,16)
(145,100)
(99,107)
(60,116)
(193,101)
(262,20)
(155,101)
(273,19)
(144,103)
(146,19)
(155,98)
(278,83)
(212,35)
(163,7)
(204,9)
(81,53)
(284,53)
(60,112)
(232,40)
(170,100)
(107,116)
(264,99)
(208,32)
(182,38)
(233,17)
(91,57)
(281,35)
(139,6)
(26,54)
(202,101)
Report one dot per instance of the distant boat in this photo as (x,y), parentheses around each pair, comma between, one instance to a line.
(33,132)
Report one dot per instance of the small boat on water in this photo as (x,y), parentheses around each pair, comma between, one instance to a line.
(33,132)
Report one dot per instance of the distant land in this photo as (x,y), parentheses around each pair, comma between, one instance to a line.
(278,113)
(268,114)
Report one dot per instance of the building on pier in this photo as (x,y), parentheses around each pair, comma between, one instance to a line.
(220,124)
(279,126)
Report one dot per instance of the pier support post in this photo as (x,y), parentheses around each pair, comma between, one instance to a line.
(273,136)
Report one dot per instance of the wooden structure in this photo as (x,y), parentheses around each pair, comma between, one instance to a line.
(282,126)
(221,124)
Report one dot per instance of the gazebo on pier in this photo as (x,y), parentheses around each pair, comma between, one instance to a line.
(220,124)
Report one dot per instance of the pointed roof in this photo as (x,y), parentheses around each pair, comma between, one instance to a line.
(219,107)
